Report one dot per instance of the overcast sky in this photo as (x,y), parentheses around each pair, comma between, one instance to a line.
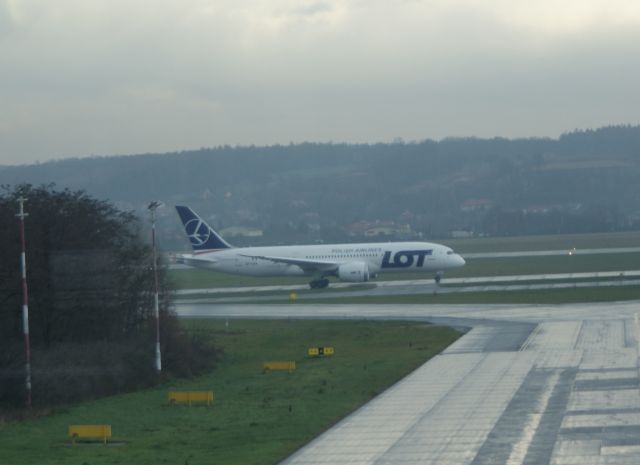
(98,77)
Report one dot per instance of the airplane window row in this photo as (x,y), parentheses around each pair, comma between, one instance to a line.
(340,256)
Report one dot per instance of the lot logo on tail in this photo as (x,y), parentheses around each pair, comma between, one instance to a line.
(405,258)
(197,231)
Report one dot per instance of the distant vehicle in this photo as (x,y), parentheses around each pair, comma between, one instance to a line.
(354,263)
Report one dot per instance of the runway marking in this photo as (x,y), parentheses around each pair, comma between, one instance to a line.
(637,322)
(520,448)
(532,336)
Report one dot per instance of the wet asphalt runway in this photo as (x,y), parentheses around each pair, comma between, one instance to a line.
(422,286)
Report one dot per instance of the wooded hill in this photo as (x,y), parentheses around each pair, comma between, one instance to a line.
(584,181)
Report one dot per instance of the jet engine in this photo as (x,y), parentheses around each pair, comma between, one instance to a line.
(354,272)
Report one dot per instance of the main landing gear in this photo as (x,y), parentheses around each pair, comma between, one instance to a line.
(437,278)
(319,283)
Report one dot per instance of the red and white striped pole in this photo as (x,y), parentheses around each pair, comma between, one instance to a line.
(25,301)
(156,306)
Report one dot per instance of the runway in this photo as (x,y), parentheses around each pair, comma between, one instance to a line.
(528,384)
(418,286)
(597,275)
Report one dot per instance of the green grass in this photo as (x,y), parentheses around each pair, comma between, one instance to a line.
(299,293)
(548,242)
(257,418)
(194,278)
(546,296)
(544,265)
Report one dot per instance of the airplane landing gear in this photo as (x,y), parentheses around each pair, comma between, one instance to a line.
(437,278)
(319,283)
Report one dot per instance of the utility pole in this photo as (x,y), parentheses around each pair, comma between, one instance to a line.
(153,206)
(25,302)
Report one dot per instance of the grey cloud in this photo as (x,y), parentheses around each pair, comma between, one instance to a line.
(6,19)
(179,79)
(312,9)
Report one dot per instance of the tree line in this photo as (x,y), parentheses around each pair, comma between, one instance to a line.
(91,294)
(313,190)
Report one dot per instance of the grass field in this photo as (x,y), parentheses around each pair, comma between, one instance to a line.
(199,279)
(257,418)
(549,264)
(547,296)
(549,242)
(542,296)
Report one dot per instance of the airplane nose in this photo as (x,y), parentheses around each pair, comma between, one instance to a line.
(461,260)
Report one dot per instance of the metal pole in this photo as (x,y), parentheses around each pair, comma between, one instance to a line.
(25,302)
(156,306)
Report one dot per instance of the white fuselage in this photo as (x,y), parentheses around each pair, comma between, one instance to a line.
(379,257)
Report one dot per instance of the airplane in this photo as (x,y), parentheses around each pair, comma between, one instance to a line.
(348,262)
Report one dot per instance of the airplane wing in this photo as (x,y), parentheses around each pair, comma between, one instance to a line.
(308,266)
(193,261)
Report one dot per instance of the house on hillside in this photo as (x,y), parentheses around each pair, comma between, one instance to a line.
(379,228)
(475,205)
(461,234)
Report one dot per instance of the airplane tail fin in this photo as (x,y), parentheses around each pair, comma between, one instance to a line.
(201,235)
